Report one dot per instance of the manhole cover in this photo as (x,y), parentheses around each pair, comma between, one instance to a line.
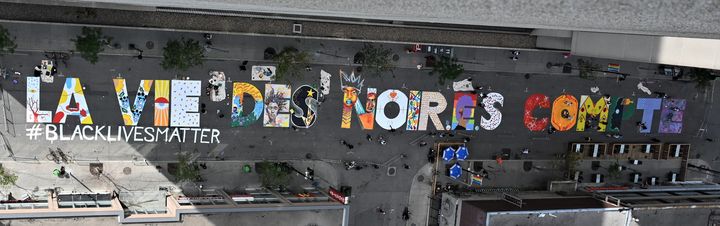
(391,171)
(127,170)
(420,178)
(149,45)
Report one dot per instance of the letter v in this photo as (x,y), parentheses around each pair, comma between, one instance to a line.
(131,114)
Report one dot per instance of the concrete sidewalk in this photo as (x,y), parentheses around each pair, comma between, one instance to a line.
(139,179)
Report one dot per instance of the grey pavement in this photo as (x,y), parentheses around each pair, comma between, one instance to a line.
(371,187)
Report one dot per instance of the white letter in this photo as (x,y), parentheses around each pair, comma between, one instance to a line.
(184,103)
(495,114)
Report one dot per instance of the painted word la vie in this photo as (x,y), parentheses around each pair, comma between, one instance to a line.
(72,102)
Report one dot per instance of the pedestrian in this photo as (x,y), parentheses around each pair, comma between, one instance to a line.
(406,166)
(369,137)
(709,139)
(308,68)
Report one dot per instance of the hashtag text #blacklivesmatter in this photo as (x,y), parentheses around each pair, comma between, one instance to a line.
(52,132)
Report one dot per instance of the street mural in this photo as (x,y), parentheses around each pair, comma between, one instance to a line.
(671,115)
(351,86)
(72,92)
(564,112)
(304,107)
(131,113)
(184,105)
(489,102)
(464,111)
(413,115)
(622,109)
(177,110)
(385,98)
(32,103)
(535,101)
(431,112)
(649,106)
(236,114)
(162,103)
(592,115)
(277,106)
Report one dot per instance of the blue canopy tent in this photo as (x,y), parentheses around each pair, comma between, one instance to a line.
(455,171)
(462,153)
(448,154)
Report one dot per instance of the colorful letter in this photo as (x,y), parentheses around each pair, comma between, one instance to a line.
(648,106)
(162,102)
(564,112)
(671,115)
(131,114)
(431,111)
(599,111)
(239,91)
(72,90)
(32,105)
(535,101)
(413,110)
(464,111)
(185,103)
(304,107)
(395,96)
(277,106)
(495,115)
(352,87)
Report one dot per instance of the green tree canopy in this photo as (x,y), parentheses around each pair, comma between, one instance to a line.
(702,77)
(186,170)
(182,54)
(376,59)
(90,43)
(291,62)
(587,68)
(7,178)
(273,174)
(7,43)
(447,68)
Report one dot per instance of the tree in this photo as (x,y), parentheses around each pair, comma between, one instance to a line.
(7,178)
(273,174)
(291,62)
(90,43)
(614,170)
(182,54)
(447,69)
(702,77)
(587,68)
(375,60)
(572,159)
(7,43)
(186,170)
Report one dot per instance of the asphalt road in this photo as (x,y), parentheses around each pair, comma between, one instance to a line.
(372,188)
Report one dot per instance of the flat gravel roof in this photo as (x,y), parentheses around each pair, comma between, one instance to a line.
(687,18)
